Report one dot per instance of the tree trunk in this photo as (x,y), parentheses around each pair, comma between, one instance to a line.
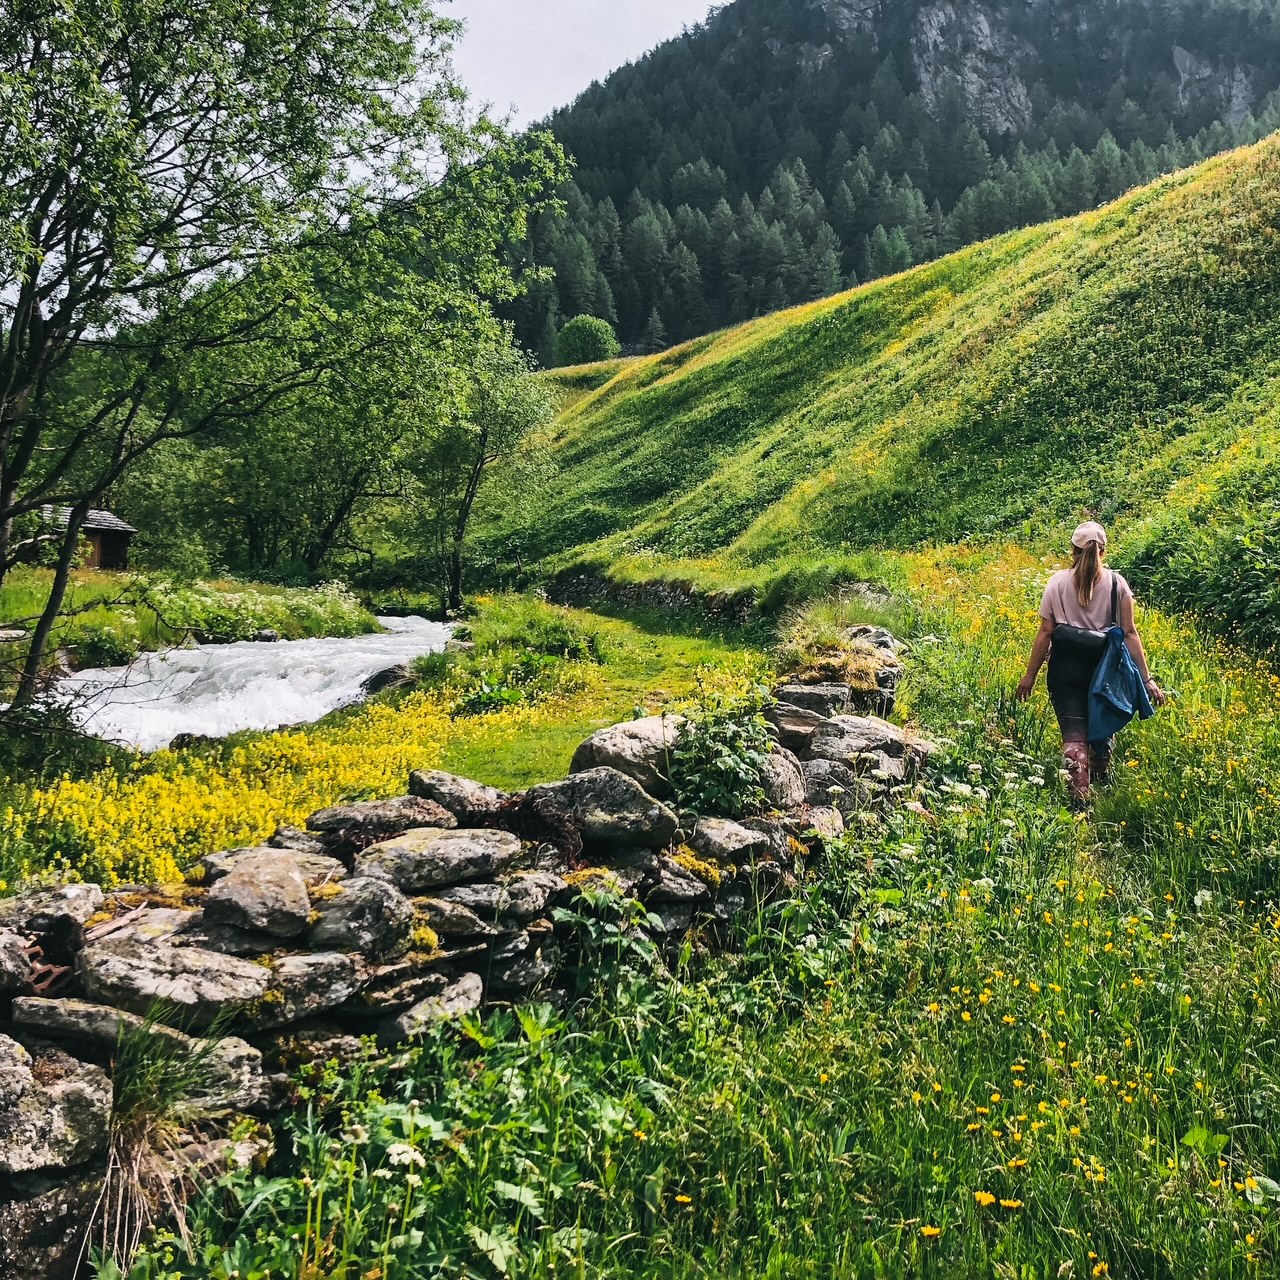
(29,680)
(454,603)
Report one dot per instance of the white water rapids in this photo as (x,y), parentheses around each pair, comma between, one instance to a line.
(214,690)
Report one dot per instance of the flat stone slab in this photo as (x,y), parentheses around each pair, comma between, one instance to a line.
(428,859)
(793,726)
(727,841)
(470,802)
(520,897)
(366,914)
(356,826)
(460,997)
(844,737)
(315,868)
(450,919)
(304,986)
(822,699)
(199,985)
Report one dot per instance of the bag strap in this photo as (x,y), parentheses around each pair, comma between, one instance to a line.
(1115,598)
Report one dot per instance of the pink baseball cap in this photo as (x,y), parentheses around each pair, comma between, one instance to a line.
(1090,531)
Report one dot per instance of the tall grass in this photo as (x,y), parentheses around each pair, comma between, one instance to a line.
(988,1038)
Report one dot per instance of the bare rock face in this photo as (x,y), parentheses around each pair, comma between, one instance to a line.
(58,1110)
(201,985)
(728,842)
(15,963)
(638,748)
(782,780)
(42,1229)
(265,893)
(315,867)
(367,915)
(822,699)
(469,802)
(421,861)
(304,986)
(608,808)
(519,897)
(793,726)
(460,997)
(348,828)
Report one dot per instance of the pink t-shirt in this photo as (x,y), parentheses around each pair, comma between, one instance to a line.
(1062,607)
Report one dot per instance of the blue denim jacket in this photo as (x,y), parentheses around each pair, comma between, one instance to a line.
(1118,692)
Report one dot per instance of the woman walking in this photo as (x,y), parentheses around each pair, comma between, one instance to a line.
(1079,606)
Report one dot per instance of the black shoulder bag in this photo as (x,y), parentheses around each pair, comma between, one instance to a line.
(1083,643)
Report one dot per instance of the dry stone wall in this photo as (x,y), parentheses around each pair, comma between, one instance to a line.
(380,919)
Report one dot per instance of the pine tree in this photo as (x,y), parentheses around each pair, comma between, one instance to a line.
(654,338)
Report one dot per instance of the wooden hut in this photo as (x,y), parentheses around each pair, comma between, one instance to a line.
(108,537)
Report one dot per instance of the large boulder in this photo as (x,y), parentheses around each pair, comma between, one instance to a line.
(607,808)
(427,859)
(58,1110)
(822,699)
(782,780)
(520,897)
(348,828)
(460,997)
(638,748)
(15,963)
(316,868)
(469,802)
(728,842)
(366,914)
(199,985)
(793,726)
(265,893)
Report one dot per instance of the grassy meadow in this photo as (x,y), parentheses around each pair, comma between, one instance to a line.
(989,1038)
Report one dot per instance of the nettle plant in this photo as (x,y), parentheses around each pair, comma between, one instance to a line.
(716,763)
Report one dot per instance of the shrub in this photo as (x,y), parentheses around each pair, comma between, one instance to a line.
(717,761)
(586,340)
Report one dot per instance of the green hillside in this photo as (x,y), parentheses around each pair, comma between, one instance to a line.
(1121,364)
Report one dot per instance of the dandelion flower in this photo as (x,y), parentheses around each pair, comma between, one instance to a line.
(930,1233)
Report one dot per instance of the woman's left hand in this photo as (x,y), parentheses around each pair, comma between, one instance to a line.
(1156,694)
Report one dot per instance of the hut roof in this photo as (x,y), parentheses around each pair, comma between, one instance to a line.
(98,521)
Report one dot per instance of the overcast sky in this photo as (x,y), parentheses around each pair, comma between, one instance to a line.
(535,55)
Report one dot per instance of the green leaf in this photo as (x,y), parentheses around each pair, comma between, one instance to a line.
(498,1246)
(526,1197)
(1204,1142)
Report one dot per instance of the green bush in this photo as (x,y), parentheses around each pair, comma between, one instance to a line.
(586,340)
(716,762)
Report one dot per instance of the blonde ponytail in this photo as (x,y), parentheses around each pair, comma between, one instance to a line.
(1086,569)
